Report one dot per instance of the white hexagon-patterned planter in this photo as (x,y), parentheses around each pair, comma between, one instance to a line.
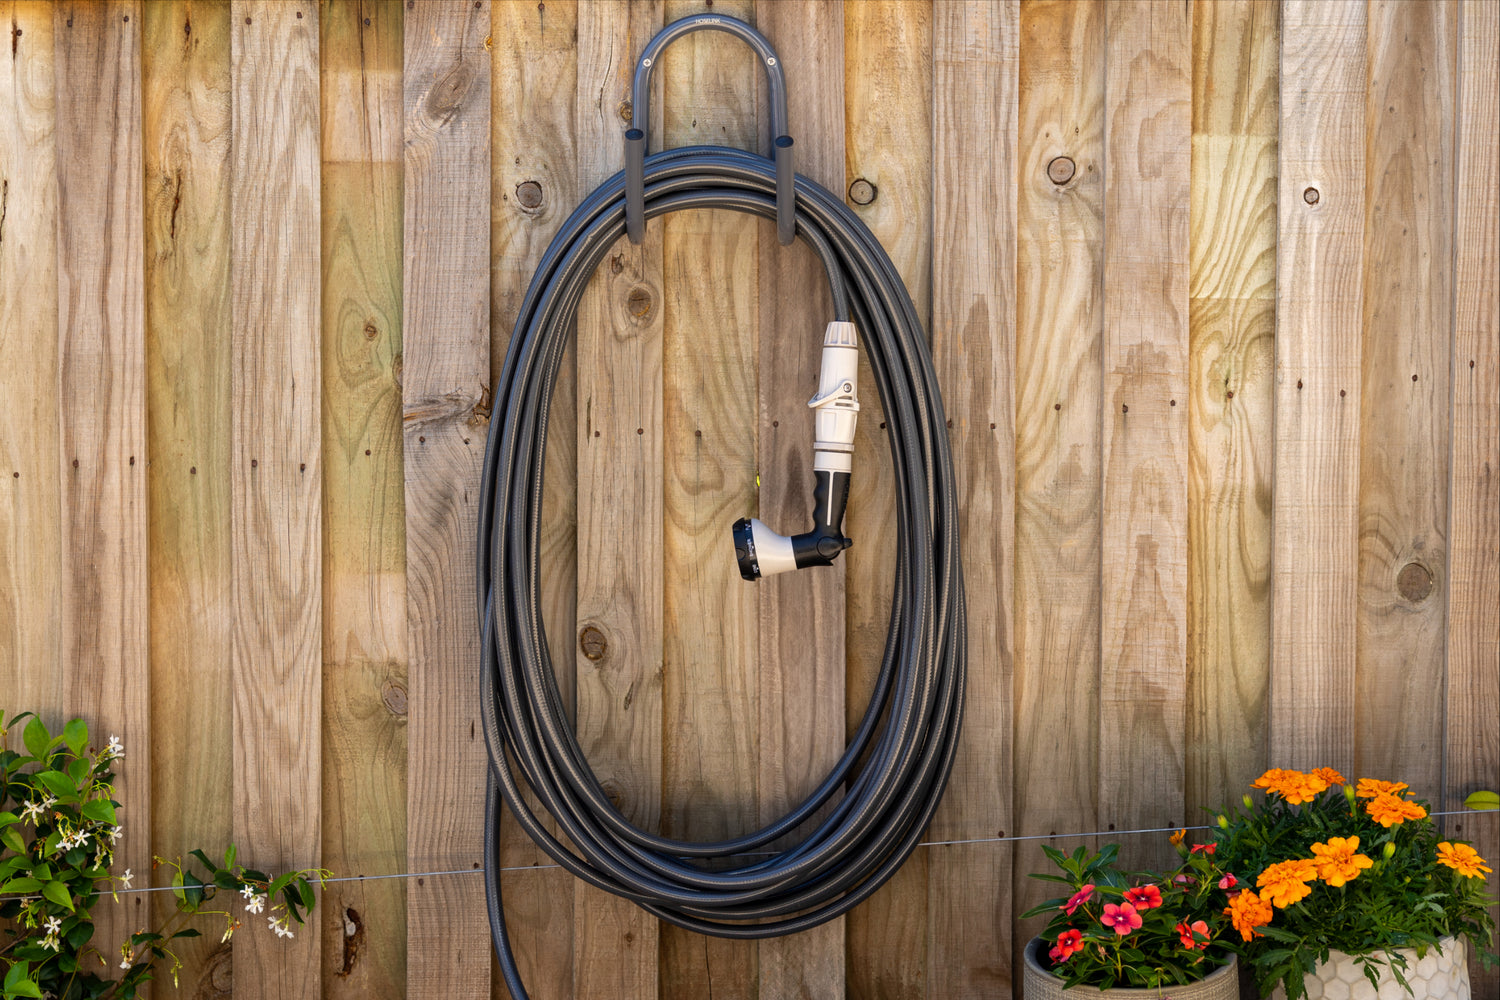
(1438,975)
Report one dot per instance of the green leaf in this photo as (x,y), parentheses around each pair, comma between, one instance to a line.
(229,856)
(188,932)
(99,810)
(18,982)
(79,771)
(7,818)
(58,784)
(59,894)
(76,735)
(203,858)
(22,884)
(42,871)
(35,736)
(193,892)
(307,894)
(11,837)
(1483,800)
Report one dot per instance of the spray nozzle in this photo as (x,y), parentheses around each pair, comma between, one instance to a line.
(761,551)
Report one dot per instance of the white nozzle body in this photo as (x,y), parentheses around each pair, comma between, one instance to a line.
(837,401)
(772,551)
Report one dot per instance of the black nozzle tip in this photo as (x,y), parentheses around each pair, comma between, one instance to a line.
(744,549)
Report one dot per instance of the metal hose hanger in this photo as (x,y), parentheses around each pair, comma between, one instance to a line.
(877,799)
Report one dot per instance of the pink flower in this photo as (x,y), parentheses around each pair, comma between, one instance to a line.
(1146,897)
(1195,936)
(1083,895)
(1069,943)
(1122,918)
(1228,882)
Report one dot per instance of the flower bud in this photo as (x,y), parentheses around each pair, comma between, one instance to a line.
(1223,822)
(1349,794)
(1249,802)
(1390,850)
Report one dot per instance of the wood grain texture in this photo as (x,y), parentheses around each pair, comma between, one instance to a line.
(364,551)
(620,483)
(1404,405)
(802,624)
(711,680)
(534,86)
(975,129)
(276,482)
(1232,309)
(1059,338)
(1319,295)
(888,144)
(1472,737)
(101,330)
(445,398)
(1143,585)
(31,501)
(185,83)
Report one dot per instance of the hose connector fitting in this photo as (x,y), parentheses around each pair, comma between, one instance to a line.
(761,551)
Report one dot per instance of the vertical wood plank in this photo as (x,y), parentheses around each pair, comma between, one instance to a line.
(1319,282)
(1403,402)
(1143,585)
(1472,736)
(888,183)
(185,81)
(276,466)
(30,526)
(534,85)
(710,696)
(973,344)
(101,329)
(802,623)
(619,505)
(364,552)
(1232,356)
(446,366)
(1059,336)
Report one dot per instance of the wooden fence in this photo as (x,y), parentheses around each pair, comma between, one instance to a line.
(1211,288)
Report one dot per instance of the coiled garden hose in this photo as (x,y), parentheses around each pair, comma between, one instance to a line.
(887,784)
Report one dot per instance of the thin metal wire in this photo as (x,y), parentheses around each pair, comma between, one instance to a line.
(925,843)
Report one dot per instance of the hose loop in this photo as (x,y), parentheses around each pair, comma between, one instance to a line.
(868,813)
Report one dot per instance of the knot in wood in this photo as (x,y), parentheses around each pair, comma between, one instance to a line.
(1311,196)
(639,301)
(862,192)
(529,195)
(1414,582)
(393,696)
(592,642)
(1061,170)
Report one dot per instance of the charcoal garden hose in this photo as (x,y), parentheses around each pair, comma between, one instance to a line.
(873,806)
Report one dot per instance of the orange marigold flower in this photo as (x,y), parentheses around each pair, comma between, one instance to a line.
(1286,881)
(1177,837)
(1463,859)
(1329,775)
(1271,778)
(1294,786)
(1388,810)
(1247,911)
(1339,861)
(1371,787)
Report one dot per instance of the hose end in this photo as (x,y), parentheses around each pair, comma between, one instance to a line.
(635,185)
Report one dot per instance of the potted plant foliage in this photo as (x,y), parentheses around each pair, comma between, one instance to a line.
(1148,933)
(1348,884)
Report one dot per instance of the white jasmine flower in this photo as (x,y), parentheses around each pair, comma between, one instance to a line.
(125,879)
(279,925)
(114,834)
(32,813)
(116,749)
(125,962)
(256,903)
(248,891)
(52,926)
(49,801)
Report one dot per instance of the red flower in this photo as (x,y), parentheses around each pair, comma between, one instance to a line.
(1083,895)
(1069,943)
(1146,897)
(1207,849)
(1195,936)
(1228,882)
(1122,918)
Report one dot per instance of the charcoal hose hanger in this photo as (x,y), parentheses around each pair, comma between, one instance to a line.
(867,814)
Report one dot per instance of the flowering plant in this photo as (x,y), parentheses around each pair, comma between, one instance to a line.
(59,825)
(1355,868)
(1116,928)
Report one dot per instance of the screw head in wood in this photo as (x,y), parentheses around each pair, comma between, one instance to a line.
(862,192)
(1311,196)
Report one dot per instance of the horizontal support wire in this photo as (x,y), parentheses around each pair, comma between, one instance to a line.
(925,843)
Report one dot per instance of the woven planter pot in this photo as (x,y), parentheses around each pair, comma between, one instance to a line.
(1221,984)
(1438,975)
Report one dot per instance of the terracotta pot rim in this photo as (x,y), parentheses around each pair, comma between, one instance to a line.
(1031,955)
